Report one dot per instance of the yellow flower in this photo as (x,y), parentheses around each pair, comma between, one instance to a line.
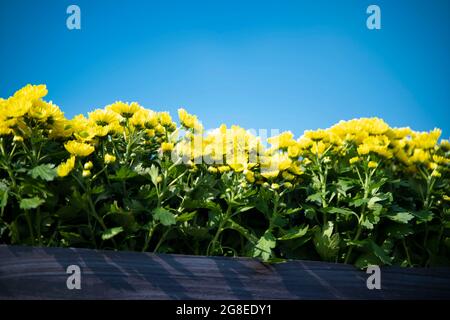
(436,174)
(32,92)
(17,107)
(144,119)
(103,122)
(66,167)
(319,148)
(250,176)
(79,148)
(295,169)
(445,145)
(288,185)
(270,174)
(284,140)
(189,121)
(275,186)
(166,146)
(287,176)
(420,156)
(45,112)
(126,110)
(306,161)
(104,118)
(426,140)
(150,133)
(109,158)
(372,164)
(223,169)
(165,119)
(212,169)
(86,173)
(432,165)
(88,165)
(354,160)
(440,160)
(446,198)
(294,151)
(317,135)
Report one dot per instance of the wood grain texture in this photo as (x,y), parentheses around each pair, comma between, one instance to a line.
(40,273)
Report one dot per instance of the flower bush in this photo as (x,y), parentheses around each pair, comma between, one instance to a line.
(129,178)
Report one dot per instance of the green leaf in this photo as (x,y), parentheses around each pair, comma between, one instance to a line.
(186,216)
(46,172)
(123,174)
(423,215)
(264,246)
(295,233)
(112,232)
(366,259)
(327,243)
(153,172)
(369,220)
(31,203)
(316,197)
(343,211)
(345,184)
(164,216)
(243,209)
(401,217)
(358,202)
(3,194)
(380,253)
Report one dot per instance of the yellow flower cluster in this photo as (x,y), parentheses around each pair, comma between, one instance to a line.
(367,141)
(26,108)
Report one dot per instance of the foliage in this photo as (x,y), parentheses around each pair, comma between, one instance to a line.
(128,178)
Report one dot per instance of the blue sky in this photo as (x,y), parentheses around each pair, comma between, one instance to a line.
(288,65)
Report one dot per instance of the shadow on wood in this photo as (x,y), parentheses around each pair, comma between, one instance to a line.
(40,273)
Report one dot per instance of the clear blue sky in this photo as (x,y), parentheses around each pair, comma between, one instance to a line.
(290,65)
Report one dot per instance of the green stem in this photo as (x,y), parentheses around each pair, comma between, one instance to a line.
(161,240)
(363,210)
(30,226)
(408,258)
(212,244)
(148,237)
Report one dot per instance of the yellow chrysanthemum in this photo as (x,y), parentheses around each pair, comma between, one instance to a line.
(354,160)
(88,165)
(166,146)
(32,92)
(165,119)
(420,156)
(372,164)
(126,110)
(189,121)
(79,149)
(284,140)
(66,167)
(109,158)
(144,119)
(250,176)
(103,122)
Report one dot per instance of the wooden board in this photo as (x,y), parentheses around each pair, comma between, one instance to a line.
(40,273)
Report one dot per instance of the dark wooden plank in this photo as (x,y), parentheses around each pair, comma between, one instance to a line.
(40,273)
